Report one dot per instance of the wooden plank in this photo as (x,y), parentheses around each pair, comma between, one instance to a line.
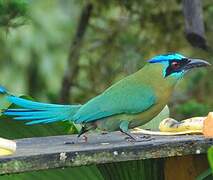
(51,152)
(187,167)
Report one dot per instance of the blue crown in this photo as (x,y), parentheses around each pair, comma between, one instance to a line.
(166,57)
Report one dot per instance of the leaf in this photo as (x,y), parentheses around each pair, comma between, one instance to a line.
(81,173)
(207,174)
(210,157)
(154,123)
(4,104)
(133,170)
(12,12)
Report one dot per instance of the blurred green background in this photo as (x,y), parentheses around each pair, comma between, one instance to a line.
(38,37)
(120,37)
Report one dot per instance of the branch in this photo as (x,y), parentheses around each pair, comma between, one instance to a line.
(71,72)
(194,25)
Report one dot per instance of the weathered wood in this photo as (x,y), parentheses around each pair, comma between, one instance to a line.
(51,152)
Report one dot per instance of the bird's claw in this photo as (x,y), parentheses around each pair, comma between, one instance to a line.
(148,137)
(139,138)
(104,132)
(69,142)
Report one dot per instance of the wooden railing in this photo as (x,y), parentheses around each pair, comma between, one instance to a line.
(63,151)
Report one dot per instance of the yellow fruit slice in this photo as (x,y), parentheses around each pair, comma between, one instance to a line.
(171,126)
(191,124)
(7,147)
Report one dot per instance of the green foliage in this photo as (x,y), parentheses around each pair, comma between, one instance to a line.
(154,123)
(133,170)
(12,12)
(210,157)
(206,175)
(193,108)
(81,173)
(4,104)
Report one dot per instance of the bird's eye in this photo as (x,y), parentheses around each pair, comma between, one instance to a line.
(175,65)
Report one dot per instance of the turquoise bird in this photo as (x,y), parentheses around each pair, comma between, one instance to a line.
(131,102)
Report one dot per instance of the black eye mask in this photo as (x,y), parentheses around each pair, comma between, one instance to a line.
(176,66)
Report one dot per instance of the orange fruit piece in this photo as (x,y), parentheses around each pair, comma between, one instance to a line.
(208,125)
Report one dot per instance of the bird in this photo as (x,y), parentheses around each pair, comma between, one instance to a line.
(129,103)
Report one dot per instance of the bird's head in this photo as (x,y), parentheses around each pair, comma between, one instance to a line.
(176,65)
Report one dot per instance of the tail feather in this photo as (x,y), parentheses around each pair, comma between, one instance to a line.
(24,113)
(43,121)
(38,112)
(31,104)
(20,117)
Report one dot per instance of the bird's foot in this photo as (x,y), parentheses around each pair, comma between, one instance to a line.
(134,138)
(147,137)
(104,132)
(69,142)
(84,140)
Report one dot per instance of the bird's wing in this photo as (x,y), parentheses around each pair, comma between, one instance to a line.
(127,97)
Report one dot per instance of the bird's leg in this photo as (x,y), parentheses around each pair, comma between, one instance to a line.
(130,135)
(82,131)
(124,128)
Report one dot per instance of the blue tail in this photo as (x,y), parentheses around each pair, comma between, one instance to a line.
(38,112)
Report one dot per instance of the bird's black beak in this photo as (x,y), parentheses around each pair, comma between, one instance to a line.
(195,63)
